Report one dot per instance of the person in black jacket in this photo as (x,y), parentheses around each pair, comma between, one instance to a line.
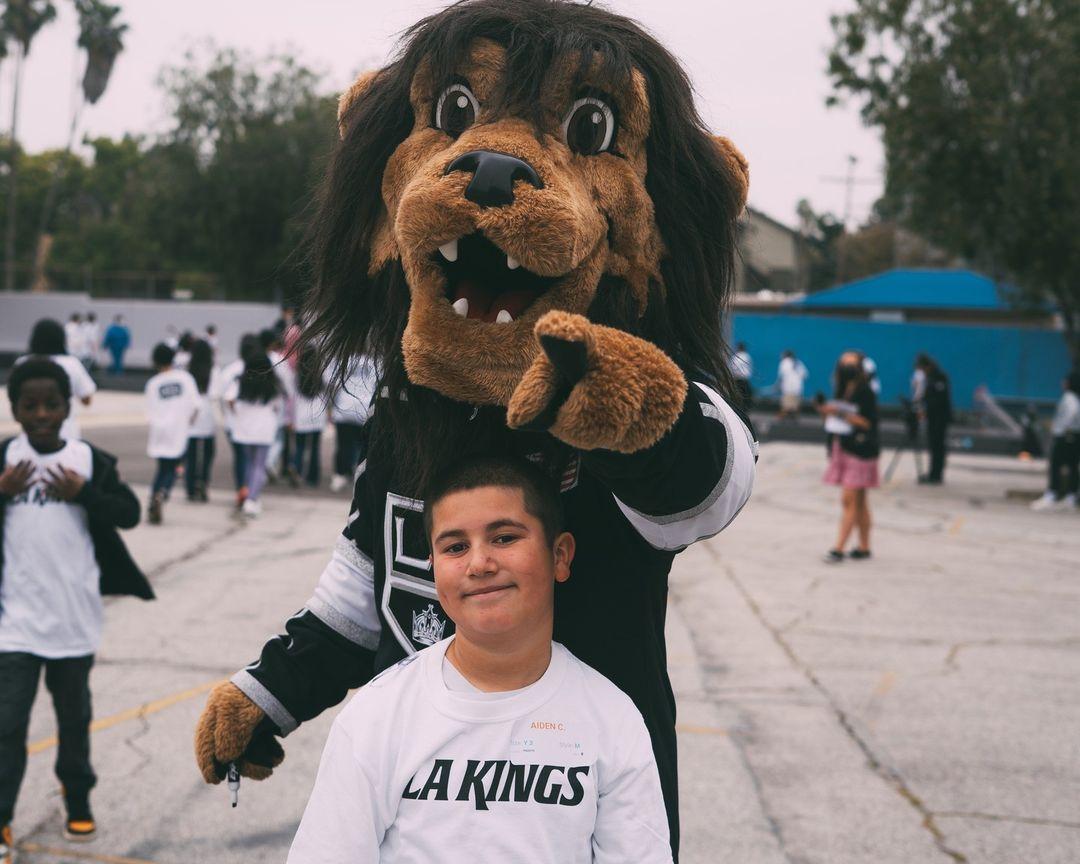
(851,422)
(60,505)
(934,404)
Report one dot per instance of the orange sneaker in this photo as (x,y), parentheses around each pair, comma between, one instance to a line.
(7,845)
(80,825)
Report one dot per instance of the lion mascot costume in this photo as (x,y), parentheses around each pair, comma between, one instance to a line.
(527,227)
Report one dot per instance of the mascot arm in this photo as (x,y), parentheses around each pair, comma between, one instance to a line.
(328,648)
(678,459)
(693,482)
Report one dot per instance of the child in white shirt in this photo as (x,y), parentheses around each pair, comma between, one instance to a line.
(256,401)
(61,502)
(309,416)
(200,447)
(172,403)
(495,744)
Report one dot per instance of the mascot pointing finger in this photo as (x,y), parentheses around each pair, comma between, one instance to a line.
(528,228)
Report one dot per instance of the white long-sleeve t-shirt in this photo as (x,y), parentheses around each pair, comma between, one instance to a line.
(560,772)
(1067,415)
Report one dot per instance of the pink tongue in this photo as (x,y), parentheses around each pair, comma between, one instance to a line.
(485,306)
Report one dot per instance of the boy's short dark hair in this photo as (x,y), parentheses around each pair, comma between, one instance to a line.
(34,368)
(539,490)
(162,355)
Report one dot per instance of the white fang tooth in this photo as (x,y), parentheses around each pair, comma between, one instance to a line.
(461,306)
(512,262)
(449,250)
(503,317)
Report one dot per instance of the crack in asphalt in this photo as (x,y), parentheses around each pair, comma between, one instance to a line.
(888,774)
(951,665)
(739,734)
(999,817)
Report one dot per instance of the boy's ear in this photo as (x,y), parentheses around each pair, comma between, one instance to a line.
(564,555)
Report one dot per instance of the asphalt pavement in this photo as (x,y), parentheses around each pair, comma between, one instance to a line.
(918,707)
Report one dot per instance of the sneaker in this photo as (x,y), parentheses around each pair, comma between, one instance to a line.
(859,554)
(7,845)
(153,512)
(337,482)
(251,508)
(80,825)
(1048,501)
(1069,502)
(833,556)
(241,497)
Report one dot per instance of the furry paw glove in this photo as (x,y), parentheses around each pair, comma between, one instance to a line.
(232,729)
(595,387)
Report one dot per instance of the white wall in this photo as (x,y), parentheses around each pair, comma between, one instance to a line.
(147,320)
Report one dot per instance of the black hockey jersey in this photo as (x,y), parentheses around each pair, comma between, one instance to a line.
(630,514)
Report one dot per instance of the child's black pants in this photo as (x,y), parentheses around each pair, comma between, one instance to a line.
(68,681)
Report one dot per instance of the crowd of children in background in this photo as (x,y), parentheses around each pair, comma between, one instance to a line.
(273,403)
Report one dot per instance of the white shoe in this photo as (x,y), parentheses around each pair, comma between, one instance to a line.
(1048,501)
(1069,502)
(337,482)
(251,508)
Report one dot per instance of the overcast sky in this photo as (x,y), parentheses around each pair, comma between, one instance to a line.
(758,69)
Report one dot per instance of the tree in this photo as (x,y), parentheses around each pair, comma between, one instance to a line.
(20,22)
(261,131)
(102,39)
(977,102)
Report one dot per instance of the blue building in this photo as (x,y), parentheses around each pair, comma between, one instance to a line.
(971,325)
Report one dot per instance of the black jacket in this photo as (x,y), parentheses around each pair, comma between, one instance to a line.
(110,504)
(863,443)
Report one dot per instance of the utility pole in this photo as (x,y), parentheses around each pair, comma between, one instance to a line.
(850,181)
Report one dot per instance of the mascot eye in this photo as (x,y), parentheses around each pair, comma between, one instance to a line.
(456,109)
(589,126)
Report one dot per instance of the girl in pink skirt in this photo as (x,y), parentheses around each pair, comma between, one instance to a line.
(851,421)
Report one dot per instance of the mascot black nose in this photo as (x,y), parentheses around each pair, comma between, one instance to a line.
(494,174)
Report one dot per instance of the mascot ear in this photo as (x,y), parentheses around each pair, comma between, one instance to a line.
(350,97)
(738,167)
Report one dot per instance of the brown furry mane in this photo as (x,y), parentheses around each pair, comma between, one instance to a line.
(352,310)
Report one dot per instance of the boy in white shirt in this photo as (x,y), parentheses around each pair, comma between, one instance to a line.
(172,403)
(61,502)
(495,744)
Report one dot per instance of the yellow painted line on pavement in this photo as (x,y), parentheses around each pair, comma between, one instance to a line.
(78,855)
(143,710)
(700,730)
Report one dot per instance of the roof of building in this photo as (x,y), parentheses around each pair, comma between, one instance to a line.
(914,289)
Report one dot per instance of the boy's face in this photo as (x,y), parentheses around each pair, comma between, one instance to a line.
(41,410)
(495,571)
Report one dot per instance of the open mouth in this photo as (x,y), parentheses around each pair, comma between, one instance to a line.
(485,283)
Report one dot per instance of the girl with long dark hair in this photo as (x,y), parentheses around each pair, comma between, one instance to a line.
(851,421)
(48,340)
(309,415)
(200,449)
(256,402)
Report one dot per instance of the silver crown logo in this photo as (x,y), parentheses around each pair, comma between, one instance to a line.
(427,629)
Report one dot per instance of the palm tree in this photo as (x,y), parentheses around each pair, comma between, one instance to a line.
(103,41)
(20,22)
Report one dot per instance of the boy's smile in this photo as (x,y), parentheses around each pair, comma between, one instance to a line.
(495,570)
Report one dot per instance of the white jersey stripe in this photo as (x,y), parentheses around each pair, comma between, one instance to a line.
(712,515)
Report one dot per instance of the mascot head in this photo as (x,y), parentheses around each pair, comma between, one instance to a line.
(517,157)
